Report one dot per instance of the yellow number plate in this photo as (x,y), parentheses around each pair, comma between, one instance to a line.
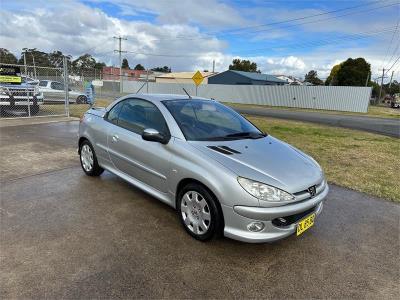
(305,224)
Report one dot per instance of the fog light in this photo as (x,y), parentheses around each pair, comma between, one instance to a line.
(255,226)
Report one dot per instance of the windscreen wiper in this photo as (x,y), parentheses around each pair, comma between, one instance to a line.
(251,135)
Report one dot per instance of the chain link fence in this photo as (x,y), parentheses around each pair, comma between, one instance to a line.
(40,91)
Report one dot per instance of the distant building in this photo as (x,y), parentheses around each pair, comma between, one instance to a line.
(245,78)
(151,76)
(112,73)
(182,77)
(291,80)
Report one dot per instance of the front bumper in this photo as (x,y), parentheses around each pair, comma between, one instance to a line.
(238,217)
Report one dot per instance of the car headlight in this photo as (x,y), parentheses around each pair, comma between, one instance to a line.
(263,191)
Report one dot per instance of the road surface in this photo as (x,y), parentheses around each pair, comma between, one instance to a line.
(384,126)
(66,235)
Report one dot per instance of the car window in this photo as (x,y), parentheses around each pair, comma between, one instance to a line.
(202,120)
(112,115)
(137,115)
(57,86)
(43,83)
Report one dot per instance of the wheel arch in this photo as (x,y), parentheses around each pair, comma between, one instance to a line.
(186,181)
(80,141)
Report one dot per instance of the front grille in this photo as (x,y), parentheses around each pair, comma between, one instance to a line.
(305,194)
(288,220)
(17,92)
(21,93)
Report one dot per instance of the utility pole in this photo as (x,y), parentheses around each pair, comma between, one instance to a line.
(380,90)
(391,78)
(147,81)
(26,80)
(34,65)
(119,38)
(366,81)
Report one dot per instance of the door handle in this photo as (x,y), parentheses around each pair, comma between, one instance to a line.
(115,138)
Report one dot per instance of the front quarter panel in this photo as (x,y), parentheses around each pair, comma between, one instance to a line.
(190,163)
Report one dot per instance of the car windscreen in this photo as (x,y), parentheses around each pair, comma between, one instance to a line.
(207,120)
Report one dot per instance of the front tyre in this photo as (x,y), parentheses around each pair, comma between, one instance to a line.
(198,211)
(81,99)
(89,160)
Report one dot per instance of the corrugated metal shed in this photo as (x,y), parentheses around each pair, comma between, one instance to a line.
(340,98)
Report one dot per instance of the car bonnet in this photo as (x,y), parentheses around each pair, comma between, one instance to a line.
(266,160)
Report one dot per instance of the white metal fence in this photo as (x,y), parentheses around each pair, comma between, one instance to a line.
(340,98)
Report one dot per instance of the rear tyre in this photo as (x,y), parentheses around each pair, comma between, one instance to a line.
(34,110)
(199,213)
(89,160)
(81,100)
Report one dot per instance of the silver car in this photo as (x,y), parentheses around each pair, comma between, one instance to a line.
(220,172)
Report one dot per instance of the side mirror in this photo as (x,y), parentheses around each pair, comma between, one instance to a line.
(152,135)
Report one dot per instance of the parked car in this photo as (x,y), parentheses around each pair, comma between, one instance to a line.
(54,91)
(17,97)
(219,171)
(395,102)
(29,80)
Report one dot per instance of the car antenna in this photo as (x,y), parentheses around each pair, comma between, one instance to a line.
(190,97)
(186,93)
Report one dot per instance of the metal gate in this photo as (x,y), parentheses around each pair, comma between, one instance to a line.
(36,91)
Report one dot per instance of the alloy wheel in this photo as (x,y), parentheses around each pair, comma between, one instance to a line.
(87,158)
(195,212)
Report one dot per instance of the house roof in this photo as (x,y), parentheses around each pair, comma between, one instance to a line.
(258,76)
(184,75)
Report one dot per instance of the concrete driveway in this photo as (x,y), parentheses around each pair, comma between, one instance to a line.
(384,126)
(65,235)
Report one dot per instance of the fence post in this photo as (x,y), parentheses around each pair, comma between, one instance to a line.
(66,87)
(26,82)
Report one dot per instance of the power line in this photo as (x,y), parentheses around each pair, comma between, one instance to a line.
(390,44)
(394,53)
(216,34)
(303,18)
(321,42)
(325,19)
(297,45)
(395,62)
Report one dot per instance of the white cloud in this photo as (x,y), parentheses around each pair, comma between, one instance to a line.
(207,13)
(75,29)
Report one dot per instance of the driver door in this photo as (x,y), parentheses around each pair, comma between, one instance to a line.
(143,160)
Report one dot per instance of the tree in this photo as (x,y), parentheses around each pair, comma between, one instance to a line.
(243,65)
(125,64)
(164,69)
(85,65)
(375,88)
(393,89)
(312,77)
(56,59)
(6,57)
(139,67)
(332,78)
(33,55)
(353,72)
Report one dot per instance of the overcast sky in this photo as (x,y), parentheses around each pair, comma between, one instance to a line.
(189,35)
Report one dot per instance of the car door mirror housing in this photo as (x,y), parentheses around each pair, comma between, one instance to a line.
(153,135)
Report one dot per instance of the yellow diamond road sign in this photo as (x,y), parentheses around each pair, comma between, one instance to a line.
(197,78)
